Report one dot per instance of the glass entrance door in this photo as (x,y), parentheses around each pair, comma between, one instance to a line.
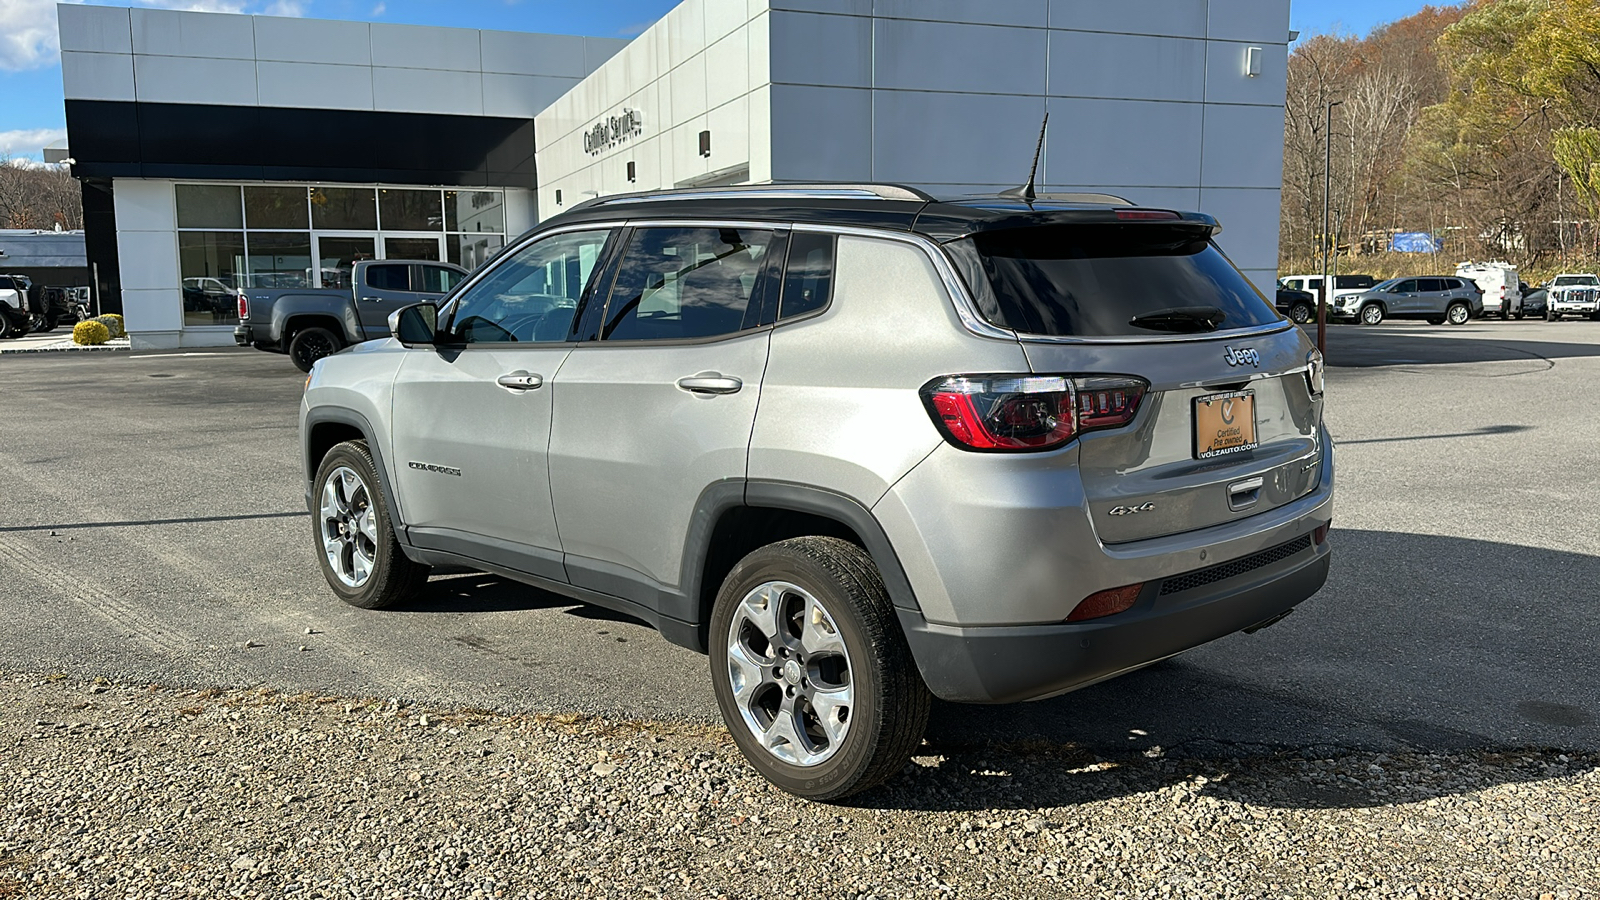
(408,246)
(337,255)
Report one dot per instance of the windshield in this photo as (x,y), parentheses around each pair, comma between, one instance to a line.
(1095,280)
(1564,280)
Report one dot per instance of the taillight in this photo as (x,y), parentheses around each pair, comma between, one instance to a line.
(244,307)
(1029,412)
(1146,215)
(1106,603)
(1316,372)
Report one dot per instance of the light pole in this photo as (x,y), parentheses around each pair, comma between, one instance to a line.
(1327,183)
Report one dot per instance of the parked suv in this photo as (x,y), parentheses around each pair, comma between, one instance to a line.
(1436,300)
(862,446)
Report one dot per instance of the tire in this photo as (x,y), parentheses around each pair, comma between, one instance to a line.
(1301,313)
(1436,320)
(1371,314)
(6,328)
(862,665)
(1505,313)
(1457,314)
(354,536)
(311,344)
(1520,315)
(50,323)
(1550,316)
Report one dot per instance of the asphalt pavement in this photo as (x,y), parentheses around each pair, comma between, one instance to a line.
(152,530)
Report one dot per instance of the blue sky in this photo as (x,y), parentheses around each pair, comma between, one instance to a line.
(31,112)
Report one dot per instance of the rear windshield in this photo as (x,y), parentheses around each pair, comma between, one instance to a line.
(1091,280)
(1348,282)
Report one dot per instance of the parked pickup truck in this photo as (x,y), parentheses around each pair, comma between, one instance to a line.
(1573,295)
(310,323)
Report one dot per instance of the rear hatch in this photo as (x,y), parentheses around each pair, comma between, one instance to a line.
(1227,425)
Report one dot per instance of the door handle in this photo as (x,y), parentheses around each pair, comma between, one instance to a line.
(520,381)
(372,299)
(710,383)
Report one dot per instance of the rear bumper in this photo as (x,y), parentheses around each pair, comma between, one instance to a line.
(1013,664)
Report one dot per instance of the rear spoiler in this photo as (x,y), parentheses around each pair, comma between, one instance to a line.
(944,224)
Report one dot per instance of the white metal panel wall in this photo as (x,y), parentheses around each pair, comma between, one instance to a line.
(703,67)
(166,56)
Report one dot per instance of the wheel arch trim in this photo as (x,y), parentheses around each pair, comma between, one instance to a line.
(349,417)
(720,498)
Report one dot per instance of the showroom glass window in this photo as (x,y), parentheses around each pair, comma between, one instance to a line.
(235,237)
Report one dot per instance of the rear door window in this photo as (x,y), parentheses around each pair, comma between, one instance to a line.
(1430,285)
(687,283)
(437,279)
(1095,280)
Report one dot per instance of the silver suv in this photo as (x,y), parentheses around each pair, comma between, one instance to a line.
(862,446)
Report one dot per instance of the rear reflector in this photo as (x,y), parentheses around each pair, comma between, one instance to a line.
(1106,603)
(1320,535)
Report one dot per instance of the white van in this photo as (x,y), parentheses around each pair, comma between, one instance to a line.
(1502,288)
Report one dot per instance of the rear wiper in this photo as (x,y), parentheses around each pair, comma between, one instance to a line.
(1181,319)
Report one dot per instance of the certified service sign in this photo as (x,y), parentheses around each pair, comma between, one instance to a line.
(612,131)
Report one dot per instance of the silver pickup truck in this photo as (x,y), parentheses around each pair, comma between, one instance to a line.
(310,323)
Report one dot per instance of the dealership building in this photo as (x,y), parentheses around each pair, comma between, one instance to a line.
(259,151)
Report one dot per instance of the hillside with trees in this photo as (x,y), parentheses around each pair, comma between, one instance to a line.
(1474,123)
(37,196)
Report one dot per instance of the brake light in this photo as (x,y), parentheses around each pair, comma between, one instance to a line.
(1029,412)
(1146,215)
(244,307)
(1106,603)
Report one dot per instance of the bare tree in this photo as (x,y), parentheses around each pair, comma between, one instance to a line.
(38,196)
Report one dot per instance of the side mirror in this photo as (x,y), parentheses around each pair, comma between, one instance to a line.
(415,324)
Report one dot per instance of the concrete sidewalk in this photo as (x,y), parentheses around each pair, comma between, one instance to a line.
(58,340)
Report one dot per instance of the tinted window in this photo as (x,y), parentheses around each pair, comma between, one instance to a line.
(1351,282)
(1430,284)
(438,279)
(1408,286)
(679,283)
(808,280)
(1092,280)
(530,295)
(389,278)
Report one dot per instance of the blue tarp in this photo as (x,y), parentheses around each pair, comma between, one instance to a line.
(1414,242)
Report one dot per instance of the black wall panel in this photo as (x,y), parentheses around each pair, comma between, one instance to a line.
(250,143)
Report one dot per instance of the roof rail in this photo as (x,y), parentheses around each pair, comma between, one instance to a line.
(772,191)
(1086,197)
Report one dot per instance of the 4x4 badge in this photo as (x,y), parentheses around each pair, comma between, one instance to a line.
(1131,510)
(1243,357)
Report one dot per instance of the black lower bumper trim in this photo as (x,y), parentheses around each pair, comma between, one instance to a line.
(1015,663)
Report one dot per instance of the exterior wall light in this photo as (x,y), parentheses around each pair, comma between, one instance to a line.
(633,173)
(705,144)
(1252,61)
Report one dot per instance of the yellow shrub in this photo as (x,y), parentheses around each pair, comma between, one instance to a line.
(90,332)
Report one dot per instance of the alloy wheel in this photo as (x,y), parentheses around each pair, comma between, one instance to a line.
(349,534)
(1458,314)
(790,673)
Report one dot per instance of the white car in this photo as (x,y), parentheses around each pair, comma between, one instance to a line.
(13,306)
(1502,290)
(1573,295)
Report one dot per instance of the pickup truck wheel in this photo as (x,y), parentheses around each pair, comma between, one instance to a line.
(311,344)
(1550,315)
(1457,314)
(812,674)
(6,328)
(1371,314)
(360,557)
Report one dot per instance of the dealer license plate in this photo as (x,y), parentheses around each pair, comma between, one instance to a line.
(1224,423)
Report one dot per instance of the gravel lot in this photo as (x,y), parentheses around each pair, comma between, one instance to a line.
(122,791)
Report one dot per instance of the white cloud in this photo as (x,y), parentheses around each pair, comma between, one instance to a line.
(294,8)
(27,34)
(29,141)
(379,10)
